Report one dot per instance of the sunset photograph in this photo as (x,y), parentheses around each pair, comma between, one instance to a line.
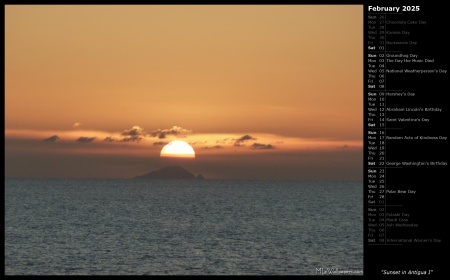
(183,139)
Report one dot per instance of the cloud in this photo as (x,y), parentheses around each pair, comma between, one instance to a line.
(241,140)
(159,143)
(258,146)
(175,130)
(213,147)
(246,137)
(110,139)
(124,139)
(77,124)
(222,141)
(197,143)
(85,139)
(134,131)
(135,134)
(131,139)
(52,138)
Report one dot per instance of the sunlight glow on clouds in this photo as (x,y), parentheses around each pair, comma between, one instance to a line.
(212,142)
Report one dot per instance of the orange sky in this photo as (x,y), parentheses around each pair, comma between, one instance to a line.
(288,77)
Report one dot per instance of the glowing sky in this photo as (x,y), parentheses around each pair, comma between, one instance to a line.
(260,92)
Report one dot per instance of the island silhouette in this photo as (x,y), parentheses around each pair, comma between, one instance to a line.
(170,172)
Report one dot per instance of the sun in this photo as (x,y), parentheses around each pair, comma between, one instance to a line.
(179,149)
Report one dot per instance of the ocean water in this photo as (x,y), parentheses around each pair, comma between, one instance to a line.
(182,227)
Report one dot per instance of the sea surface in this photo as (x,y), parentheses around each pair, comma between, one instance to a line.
(182,227)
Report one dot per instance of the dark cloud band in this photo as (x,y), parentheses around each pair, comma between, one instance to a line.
(259,146)
(52,138)
(85,139)
(241,140)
